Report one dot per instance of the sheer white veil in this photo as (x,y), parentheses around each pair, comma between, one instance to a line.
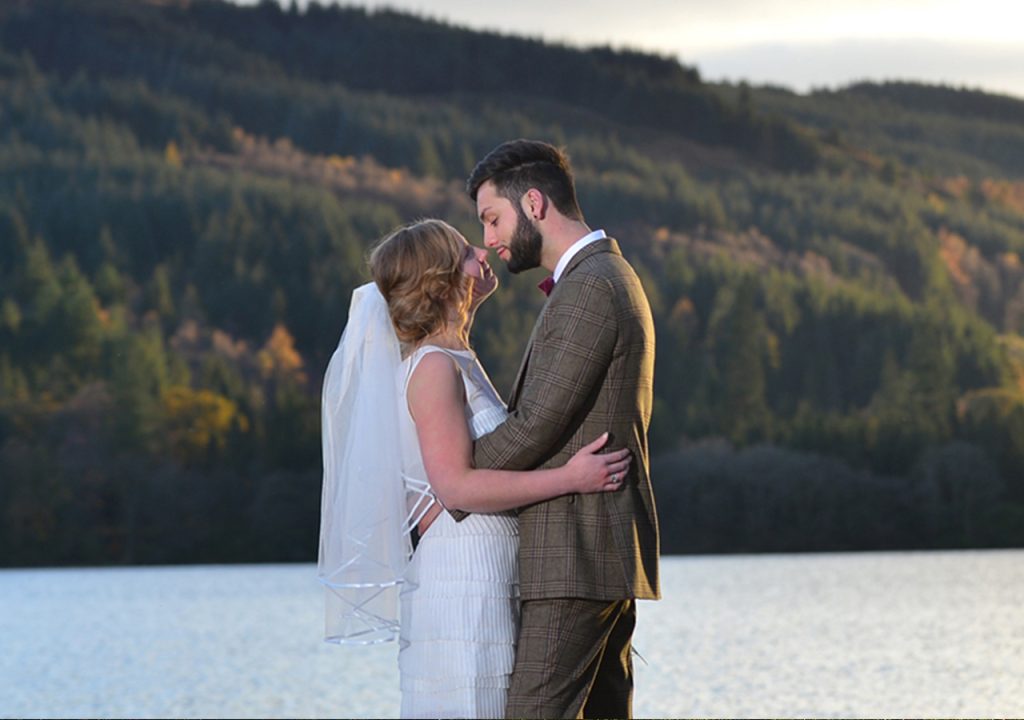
(364,539)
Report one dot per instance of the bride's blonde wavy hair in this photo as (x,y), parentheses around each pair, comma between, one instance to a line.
(418,268)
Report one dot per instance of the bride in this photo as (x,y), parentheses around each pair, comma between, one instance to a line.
(404,396)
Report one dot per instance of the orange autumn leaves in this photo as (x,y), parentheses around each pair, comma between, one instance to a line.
(199,422)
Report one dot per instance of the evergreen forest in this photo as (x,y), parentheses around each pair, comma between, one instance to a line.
(188,190)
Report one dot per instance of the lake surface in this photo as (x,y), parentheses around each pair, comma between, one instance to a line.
(833,635)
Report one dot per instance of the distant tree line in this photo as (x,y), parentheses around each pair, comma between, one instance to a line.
(909,126)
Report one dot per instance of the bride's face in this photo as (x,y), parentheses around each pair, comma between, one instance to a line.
(474,264)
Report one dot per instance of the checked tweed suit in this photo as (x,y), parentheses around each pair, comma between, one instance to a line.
(588,368)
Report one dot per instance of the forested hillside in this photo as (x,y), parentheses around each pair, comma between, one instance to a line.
(188,191)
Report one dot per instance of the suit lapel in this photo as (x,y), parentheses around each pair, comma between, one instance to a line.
(513,399)
(605,245)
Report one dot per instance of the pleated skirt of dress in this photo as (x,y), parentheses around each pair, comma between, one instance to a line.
(460,618)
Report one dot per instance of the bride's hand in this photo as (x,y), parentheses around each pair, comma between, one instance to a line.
(592,471)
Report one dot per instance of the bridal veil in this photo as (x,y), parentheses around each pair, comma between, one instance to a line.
(364,534)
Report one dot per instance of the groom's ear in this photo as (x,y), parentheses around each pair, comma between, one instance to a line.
(535,204)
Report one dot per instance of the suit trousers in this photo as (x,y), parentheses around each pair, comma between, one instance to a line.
(573,660)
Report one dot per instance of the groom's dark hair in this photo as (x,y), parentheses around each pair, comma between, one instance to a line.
(518,165)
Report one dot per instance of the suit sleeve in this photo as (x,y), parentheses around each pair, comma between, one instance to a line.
(570,357)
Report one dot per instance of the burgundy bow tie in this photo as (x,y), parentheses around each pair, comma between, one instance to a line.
(546,284)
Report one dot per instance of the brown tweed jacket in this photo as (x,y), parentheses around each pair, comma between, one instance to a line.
(588,367)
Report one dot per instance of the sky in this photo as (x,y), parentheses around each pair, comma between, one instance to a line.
(799,44)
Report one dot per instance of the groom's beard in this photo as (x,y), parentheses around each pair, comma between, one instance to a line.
(525,246)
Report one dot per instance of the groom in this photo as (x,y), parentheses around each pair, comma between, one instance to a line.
(589,366)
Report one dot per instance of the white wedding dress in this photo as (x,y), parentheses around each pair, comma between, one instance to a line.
(460,598)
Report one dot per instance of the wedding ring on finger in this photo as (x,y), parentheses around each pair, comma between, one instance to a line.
(615,477)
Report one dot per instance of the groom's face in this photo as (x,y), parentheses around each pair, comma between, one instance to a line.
(508,231)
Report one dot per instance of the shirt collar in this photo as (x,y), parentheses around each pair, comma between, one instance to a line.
(575,248)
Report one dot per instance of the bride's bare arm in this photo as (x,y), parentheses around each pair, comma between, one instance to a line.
(437,403)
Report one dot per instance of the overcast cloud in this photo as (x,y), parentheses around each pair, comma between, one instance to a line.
(794,43)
